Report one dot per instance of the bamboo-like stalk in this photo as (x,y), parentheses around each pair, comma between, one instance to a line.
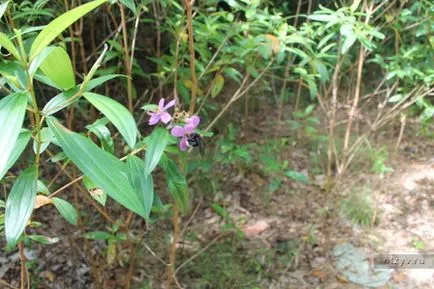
(127,59)
(188,6)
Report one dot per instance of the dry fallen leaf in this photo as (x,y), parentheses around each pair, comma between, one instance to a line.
(320,274)
(42,200)
(49,275)
(255,229)
(341,279)
(275,43)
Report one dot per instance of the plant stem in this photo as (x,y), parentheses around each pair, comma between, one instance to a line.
(127,59)
(23,265)
(172,250)
(188,7)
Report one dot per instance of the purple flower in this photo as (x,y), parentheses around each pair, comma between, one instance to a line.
(161,114)
(183,132)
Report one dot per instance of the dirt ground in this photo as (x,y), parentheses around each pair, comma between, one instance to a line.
(291,220)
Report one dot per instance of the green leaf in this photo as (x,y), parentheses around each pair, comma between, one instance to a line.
(130,5)
(57,67)
(347,29)
(42,188)
(12,110)
(44,239)
(36,63)
(157,143)
(177,183)
(20,145)
(66,210)
(14,75)
(9,46)
(233,74)
(150,107)
(98,235)
(142,184)
(348,42)
(58,157)
(323,17)
(58,25)
(218,85)
(116,114)
(396,98)
(297,176)
(19,205)
(39,76)
(355,5)
(250,13)
(95,66)
(68,97)
(45,138)
(104,169)
(3,8)
(97,193)
(100,129)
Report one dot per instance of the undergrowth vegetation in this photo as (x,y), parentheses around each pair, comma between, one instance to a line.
(128,116)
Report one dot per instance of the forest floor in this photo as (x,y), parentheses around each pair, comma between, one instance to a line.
(243,237)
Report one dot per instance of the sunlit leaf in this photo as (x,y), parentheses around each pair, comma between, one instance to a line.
(322,17)
(57,67)
(9,46)
(58,25)
(348,42)
(3,8)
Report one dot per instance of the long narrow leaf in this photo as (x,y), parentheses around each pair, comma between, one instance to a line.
(66,210)
(20,145)
(116,114)
(104,169)
(19,205)
(142,184)
(58,25)
(177,183)
(9,46)
(157,143)
(12,110)
(57,67)
(68,97)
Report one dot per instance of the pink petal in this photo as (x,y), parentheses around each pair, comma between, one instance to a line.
(189,129)
(155,118)
(177,131)
(193,121)
(170,104)
(161,104)
(165,117)
(183,145)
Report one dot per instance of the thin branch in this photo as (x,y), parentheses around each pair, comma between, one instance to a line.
(188,8)
(199,253)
